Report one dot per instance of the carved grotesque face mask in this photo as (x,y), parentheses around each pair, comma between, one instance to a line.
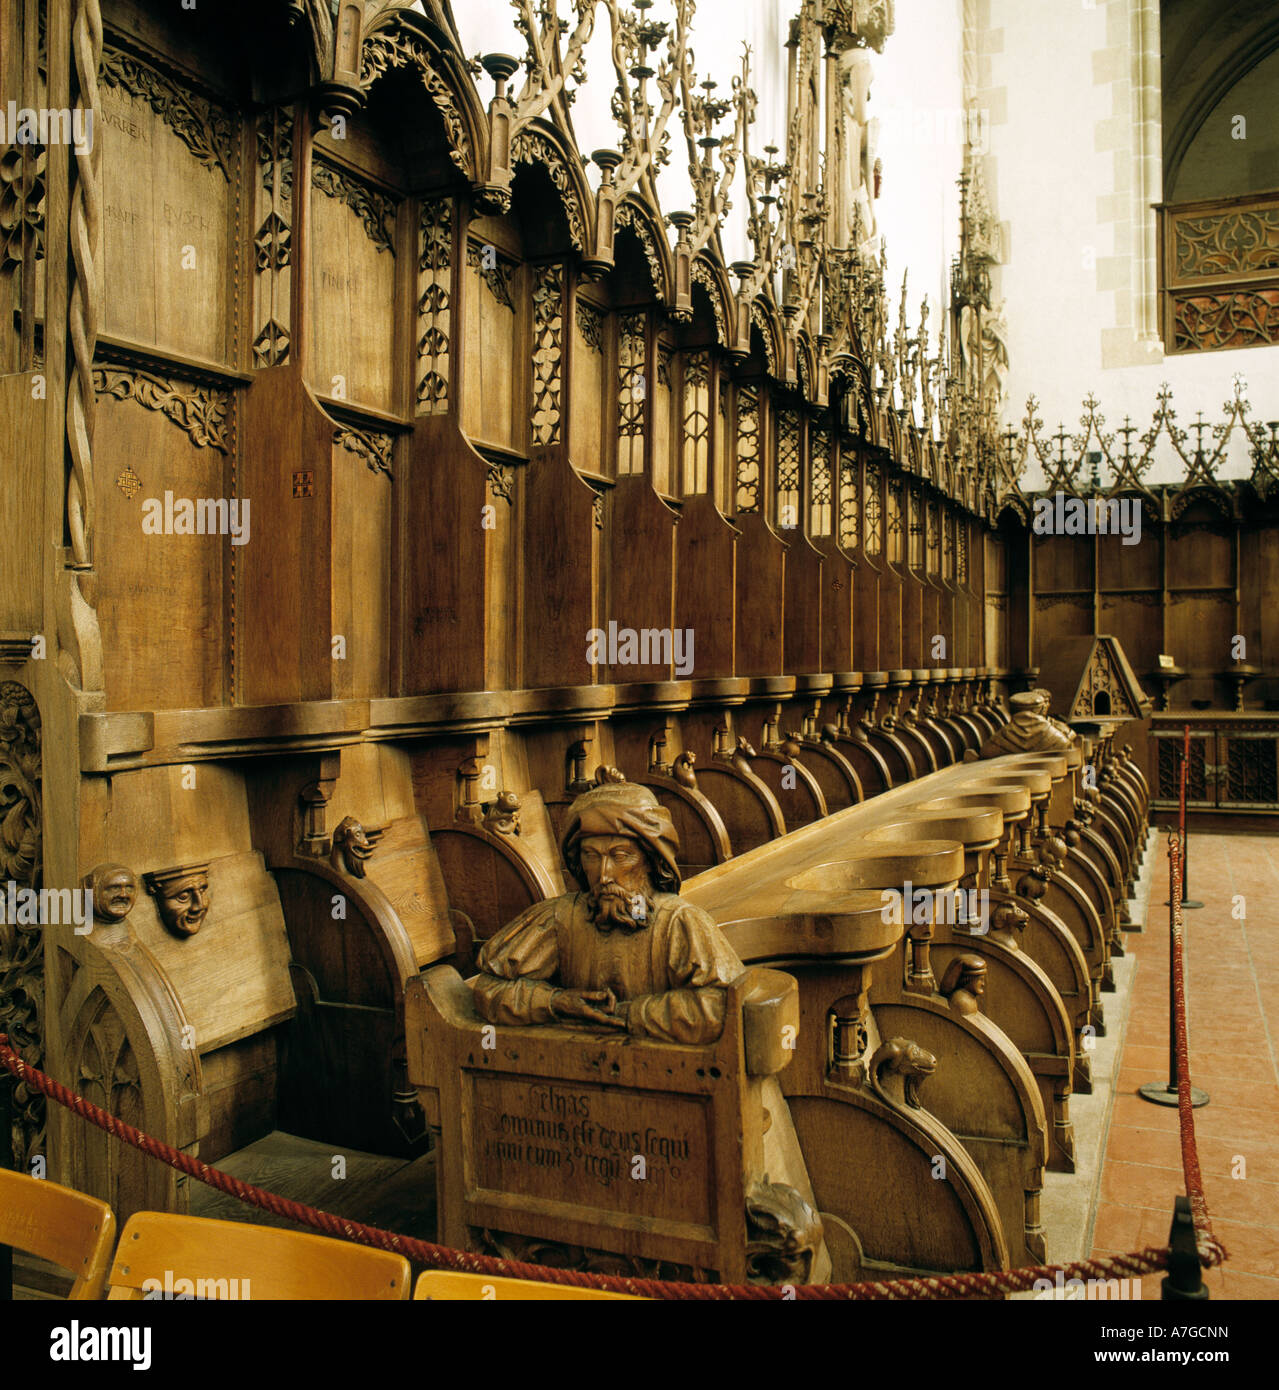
(182,899)
(115,890)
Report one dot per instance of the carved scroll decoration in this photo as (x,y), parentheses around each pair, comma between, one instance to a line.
(590,326)
(374,209)
(434,306)
(199,411)
(1242,242)
(1231,319)
(548,352)
(529,147)
(629,218)
(398,47)
(372,446)
(203,128)
(21,944)
(497,273)
(704,276)
(22,194)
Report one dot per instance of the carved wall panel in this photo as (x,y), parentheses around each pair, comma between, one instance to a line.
(273,238)
(822,483)
(749,498)
(353,284)
(849,501)
(168,192)
(548,354)
(21,944)
(169,528)
(696,422)
(493,285)
(434,306)
(787,476)
(361,561)
(664,424)
(585,422)
(632,392)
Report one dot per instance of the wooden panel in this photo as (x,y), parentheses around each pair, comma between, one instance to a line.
(587,378)
(443,630)
(169,160)
(284,624)
(161,596)
(361,551)
(352,284)
(760,567)
(560,573)
(1062,562)
(494,285)
(706,577)
(232,976)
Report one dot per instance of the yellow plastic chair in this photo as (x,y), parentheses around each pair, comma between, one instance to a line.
(162,1256)
(443,1285)
(60,1225)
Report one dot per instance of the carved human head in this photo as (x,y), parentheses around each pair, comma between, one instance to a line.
(115,890)
(182,896)
(620,846)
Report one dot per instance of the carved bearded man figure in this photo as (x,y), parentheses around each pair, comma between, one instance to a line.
(625,951)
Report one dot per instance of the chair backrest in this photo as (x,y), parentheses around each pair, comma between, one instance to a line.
(60,1225)
(443,1285)
(161,1255)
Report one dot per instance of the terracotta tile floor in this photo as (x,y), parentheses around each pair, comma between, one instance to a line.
(1232,984)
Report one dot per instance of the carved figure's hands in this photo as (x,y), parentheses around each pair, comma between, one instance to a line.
(592,1005)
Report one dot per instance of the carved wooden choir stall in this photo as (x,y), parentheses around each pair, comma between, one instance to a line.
(517,688)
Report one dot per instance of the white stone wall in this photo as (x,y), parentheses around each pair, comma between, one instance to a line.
(1072,86)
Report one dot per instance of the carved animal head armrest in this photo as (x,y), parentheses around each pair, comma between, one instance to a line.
(898,1069)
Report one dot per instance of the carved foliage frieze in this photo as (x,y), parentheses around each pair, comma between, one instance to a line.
(199,411)
(372,446)
(434,306)
(530,147)
(628,217)
(590,326)
(206,130)
(497,273)
(398,47)
(21,944)
(1228,319)
(375,210)
(548,352)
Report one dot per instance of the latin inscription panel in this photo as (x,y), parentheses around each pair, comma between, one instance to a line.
(610,1149)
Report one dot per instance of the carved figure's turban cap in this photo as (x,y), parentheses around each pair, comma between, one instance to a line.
(624,808)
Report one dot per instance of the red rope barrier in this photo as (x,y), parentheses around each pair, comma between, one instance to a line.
(1211,1250)
(954,1286)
